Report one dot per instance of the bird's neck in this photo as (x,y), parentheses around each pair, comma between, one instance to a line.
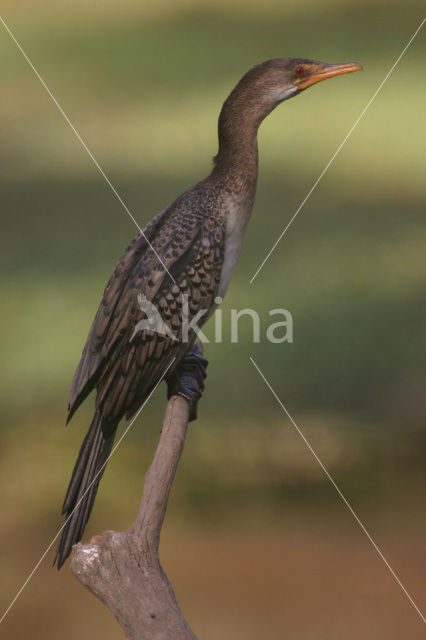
(236,164)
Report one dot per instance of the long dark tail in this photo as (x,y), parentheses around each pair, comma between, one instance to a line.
(84,483)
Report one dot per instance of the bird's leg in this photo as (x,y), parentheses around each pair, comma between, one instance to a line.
(188,379)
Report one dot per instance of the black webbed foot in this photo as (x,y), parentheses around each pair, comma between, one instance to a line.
(188,379)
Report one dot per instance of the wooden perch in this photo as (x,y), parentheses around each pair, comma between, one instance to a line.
(123,569)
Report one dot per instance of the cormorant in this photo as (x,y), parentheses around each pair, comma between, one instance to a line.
(184,259)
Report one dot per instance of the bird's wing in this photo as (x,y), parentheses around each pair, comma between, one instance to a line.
(121,361)
(93,355)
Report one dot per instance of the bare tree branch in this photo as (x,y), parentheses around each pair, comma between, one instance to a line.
(123,569)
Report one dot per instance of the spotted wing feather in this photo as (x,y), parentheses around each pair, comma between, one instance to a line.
(124,367)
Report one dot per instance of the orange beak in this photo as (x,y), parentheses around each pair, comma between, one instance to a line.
(322,72)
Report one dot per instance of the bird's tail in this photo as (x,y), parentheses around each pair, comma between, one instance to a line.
(84,483)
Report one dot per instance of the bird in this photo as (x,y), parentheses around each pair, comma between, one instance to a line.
(183,260)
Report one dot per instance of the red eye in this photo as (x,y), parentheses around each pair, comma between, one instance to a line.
(299,70)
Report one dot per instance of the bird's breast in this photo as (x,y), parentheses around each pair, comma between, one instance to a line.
(236,223)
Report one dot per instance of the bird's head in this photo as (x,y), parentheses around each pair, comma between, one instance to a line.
(274,81)
(261,89)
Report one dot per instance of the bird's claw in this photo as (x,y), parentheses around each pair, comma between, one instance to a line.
(188,379)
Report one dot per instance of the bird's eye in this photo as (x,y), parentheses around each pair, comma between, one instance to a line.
(299,70)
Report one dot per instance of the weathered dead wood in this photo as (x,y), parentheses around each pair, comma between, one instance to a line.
(123,569)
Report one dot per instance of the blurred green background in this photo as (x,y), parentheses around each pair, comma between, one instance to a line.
(257,542)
